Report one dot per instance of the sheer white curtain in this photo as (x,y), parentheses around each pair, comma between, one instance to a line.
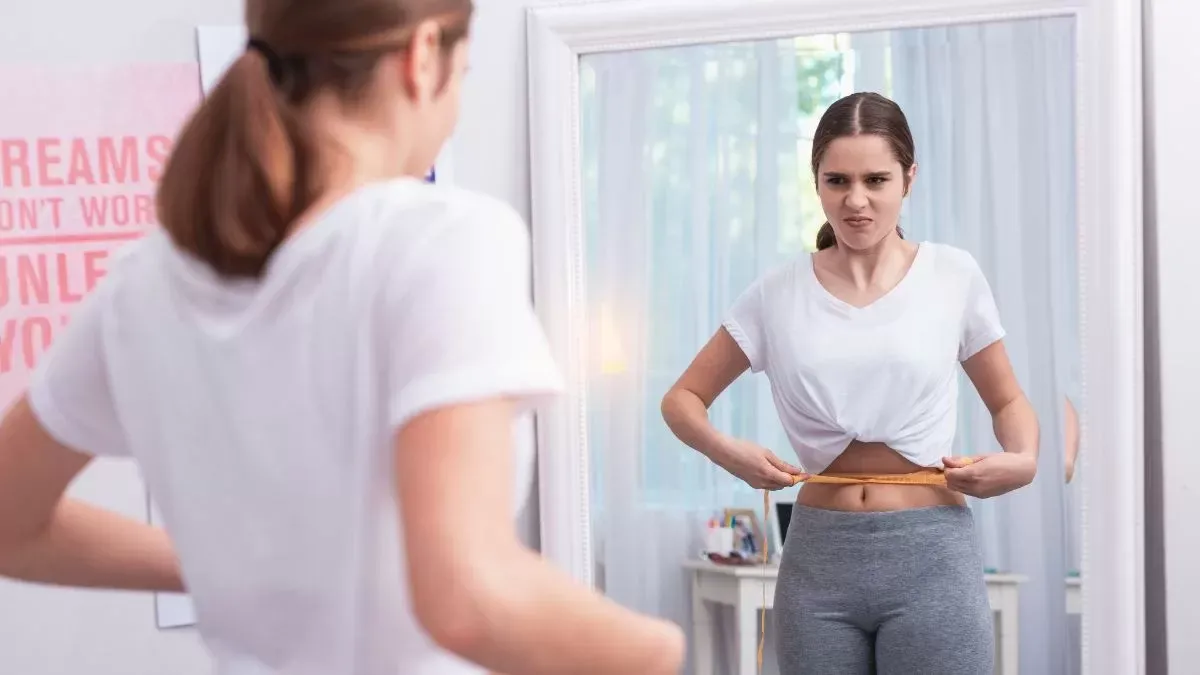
(692,189)
(992,113)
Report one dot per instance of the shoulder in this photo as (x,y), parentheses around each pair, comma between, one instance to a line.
(445,219)
(783,277)
(131,270)
(953,263)
(439,242)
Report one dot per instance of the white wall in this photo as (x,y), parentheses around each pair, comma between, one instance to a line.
(1173,388)
(57,632)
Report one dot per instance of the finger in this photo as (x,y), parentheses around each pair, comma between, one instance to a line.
(957,462)
(772,482)
(958,485)
(780,484)
(782,465)
(967,473)
(771,478)
(778,480)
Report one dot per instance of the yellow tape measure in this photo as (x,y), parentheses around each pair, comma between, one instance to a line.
(921,477)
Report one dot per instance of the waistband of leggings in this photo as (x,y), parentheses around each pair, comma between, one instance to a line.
(876,521)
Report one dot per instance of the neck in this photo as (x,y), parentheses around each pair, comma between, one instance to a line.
(356,155)
(870,267)
(362,149)
(361,156)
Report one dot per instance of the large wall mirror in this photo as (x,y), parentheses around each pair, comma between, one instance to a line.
(672,148)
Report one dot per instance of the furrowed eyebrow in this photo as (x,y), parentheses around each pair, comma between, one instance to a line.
(873,174)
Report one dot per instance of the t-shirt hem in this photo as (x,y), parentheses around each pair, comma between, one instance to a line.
(980,343)
(529,387)
(60,427)
(743,341)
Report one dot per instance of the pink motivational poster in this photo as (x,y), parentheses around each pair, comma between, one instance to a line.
(81,150)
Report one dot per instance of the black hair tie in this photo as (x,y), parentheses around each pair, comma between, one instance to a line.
(276,65)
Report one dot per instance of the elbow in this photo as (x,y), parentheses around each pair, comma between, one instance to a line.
(678,403)
(462,635)
(467,602)
(14,541)
(676,410)
(451,614)
(669,405)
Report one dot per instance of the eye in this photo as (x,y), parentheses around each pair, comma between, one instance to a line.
(877,180)
(835,180)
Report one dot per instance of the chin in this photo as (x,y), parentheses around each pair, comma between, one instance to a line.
(861,240)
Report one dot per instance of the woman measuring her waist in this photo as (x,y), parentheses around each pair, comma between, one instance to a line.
(876,459)
(862,343)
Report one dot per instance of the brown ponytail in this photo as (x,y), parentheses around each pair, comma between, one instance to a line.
(245,166)
(825,237)
(239,174)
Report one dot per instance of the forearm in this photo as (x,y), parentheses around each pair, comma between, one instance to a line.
(1016,429)
(88,547)
(687,417)
(534,620)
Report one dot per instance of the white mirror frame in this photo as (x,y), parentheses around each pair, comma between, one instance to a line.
(1109,194)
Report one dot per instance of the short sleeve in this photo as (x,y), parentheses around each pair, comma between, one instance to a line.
(70,393)
(981,319)
(462,324)
(745,324)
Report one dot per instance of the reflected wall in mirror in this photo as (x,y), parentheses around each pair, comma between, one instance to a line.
(672,152)
(697,182)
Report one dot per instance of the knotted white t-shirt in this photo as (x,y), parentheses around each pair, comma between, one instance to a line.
(883,373)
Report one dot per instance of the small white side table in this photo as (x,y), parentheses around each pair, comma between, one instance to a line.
(742,588)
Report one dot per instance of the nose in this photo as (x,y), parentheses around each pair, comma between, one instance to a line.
(856,198)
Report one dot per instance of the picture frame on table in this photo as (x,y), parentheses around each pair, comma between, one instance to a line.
(749,536)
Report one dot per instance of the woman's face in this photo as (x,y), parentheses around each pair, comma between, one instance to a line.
(862,188)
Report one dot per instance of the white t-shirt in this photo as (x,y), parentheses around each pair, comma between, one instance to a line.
(884,373)
(262,413)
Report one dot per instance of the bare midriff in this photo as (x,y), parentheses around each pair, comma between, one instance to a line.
(874,458)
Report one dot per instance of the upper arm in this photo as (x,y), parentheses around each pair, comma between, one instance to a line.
(70,393)
(719,363)
(981,325)
(454,480)
(746,326)
(466,355)
(1071,433)
(66,415)
(992,374)
(35,471)
(737,346)
(980,344)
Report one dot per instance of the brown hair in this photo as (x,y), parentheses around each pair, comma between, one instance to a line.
(245,166)
(854,115)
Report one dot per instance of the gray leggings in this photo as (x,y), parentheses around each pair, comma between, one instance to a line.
(886,593)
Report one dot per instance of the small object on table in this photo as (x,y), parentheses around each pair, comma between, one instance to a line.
(734,558)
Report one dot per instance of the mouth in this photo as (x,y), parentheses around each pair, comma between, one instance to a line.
(858,221)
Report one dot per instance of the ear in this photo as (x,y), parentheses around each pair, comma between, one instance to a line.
(422,67)
(910,178)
